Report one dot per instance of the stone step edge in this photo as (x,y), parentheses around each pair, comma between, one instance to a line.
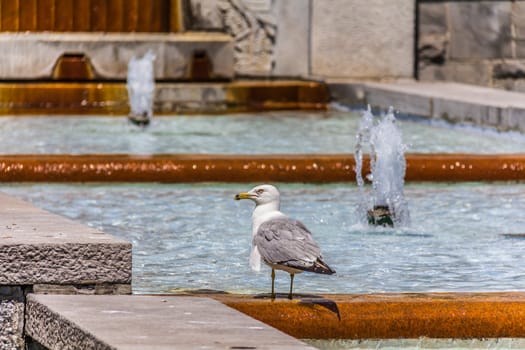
(147,322)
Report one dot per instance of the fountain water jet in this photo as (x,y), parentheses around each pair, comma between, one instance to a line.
(141,87)
(386,206)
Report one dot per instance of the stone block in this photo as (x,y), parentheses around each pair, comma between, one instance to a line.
(269,40)
(54,331)
(494,117)
(177,58)
(508,70)
(205,15)
(518,19)
(147,322)
(362,39)
(251,23)
(470,72)
(457,111)
(517,85)
(11,318)
(406,103)
(202,97)
(292,41)
(39,247)
(347,94)
(68,263)
(432,18)
(432,49)
(430,72)
(520,48)
(84,289)
(515,119)
(480,29)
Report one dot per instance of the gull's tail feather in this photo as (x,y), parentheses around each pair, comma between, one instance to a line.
(319,266)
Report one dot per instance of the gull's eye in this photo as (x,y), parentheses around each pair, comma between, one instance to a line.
(260,191)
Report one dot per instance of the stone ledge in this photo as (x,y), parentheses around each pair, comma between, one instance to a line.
(37,247)
(146,322)
(33,55)
(504,110)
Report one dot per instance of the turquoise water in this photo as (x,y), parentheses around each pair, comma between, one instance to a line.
(198,237)
(278,132)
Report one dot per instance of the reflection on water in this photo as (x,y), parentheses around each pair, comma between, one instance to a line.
(291,132)
(198,237)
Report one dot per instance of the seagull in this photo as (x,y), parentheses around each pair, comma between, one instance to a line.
(283,243)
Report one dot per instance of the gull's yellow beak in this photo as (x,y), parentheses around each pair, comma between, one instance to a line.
(243,195)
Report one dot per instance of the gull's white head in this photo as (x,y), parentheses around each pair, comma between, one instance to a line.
(262,194)
(266,199)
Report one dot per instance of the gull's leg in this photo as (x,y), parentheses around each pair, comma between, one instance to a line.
(273,282)
(291,286)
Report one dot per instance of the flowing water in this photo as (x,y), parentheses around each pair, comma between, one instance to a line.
(385,203)
(141,85)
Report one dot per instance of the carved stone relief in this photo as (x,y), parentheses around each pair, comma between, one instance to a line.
(252,24)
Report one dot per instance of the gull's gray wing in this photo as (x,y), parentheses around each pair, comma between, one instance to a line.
(285,241)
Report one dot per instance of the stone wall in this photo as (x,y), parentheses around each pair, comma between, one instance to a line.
(371,39)
(252,24)
(475,42)
(313,38)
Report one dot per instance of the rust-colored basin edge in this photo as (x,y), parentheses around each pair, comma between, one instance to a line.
(386,316)
(312,168)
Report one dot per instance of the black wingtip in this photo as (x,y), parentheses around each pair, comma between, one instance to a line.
(321,267)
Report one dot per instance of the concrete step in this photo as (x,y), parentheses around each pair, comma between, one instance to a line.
(34,55)
(38,247)
(46,253)
(458,103)
(147,322)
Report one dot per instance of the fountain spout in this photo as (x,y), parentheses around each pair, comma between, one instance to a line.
(141,88)
(386,206)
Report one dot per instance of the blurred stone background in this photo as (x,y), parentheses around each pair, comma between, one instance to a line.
(475,42)
(470,41)
(310,38)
